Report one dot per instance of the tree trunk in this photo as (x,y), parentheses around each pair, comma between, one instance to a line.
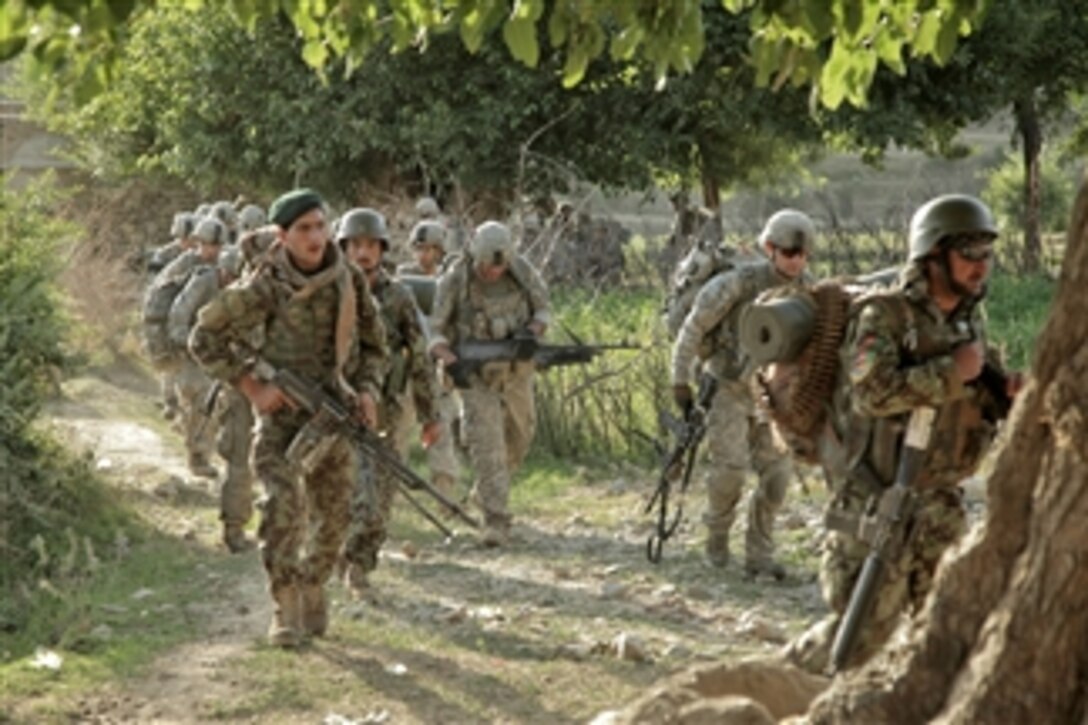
(1004,636)
(1031,137)
(712,193)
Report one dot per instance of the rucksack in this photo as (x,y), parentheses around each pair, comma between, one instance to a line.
(699,266)
(803,394)
(155,311)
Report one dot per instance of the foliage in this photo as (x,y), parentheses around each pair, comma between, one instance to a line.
(836,44)
(1004,193)
(182,103)
(31,324)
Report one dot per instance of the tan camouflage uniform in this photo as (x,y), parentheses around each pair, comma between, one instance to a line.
(736,438)
(233,413)
(499,412)
(299,315)
(898,356)
(411,378)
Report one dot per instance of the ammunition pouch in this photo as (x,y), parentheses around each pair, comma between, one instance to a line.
(314,440)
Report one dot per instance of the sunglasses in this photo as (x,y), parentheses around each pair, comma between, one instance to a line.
(976,252)
(791,253)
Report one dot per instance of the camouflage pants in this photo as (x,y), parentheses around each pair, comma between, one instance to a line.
(372,499)
(304,516)
(442,456)
(737,440)
(938,522)
(199,429)
(168,388)
(499,423)
(234,443)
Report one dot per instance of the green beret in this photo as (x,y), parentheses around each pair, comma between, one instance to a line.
(289,207)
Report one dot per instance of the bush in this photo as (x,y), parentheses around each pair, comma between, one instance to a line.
(1004,193)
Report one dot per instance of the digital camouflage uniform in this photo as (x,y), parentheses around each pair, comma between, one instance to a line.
(232,412)
(499,416)
(304,511)
(193,384)
(898,356)
(736,438)
(410,377)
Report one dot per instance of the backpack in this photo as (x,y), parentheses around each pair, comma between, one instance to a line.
(705,261)
(804,395)
(155,312)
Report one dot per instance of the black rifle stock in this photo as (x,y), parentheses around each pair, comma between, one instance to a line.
(884,531)
(317,402)
(473,354)
(678,464)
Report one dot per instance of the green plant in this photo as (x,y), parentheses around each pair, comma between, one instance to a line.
(1004,193)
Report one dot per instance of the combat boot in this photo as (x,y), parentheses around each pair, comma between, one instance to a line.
(717,548)
(286,627)
(496,535)
(357,583)
(315,610)
(753,568)
(200,466)
(234,538)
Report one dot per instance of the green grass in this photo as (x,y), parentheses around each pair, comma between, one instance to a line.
(1017,309)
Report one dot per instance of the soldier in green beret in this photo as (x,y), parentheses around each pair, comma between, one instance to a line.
(317,319)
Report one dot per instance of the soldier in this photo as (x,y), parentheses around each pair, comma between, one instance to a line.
(427,209)
(316,318)
(192,384)
(736,437)
(428,241)
(232,411)
(492,293)
(363,235)
(251,217)
(225,212)
(181,231)
(919,344)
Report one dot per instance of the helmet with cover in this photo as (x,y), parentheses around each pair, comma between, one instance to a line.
(951,215)
(363,222)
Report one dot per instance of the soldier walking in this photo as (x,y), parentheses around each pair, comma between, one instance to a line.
(492,293)
(317,319)
(736,437)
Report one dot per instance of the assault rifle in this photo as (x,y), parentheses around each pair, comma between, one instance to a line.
(678,463)
(473,354)
(331,417)
(884,531)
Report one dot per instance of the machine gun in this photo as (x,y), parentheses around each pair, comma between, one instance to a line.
(473,354)
(884,531)
(678,464)
(330,417)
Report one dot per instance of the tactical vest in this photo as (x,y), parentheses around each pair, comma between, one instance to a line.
(301,335)
(393,299)
(961,431)
(492,311)
(720,347)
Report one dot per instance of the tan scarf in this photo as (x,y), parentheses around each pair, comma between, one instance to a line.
(305,285)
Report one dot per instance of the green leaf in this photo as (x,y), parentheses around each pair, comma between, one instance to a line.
(925,38)
(890,51)
(520,37)
(315,53)
(818,18)
(575,67)
(946,42)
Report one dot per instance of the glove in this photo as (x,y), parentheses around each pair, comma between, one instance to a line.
(683,397)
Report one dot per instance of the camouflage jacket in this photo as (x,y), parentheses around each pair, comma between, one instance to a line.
(897,356)
(296,317)
(407,341)
(709,332)
(467,308)
(164,255)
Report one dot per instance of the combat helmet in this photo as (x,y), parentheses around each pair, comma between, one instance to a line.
(427,208)
(789,229)
(225,212)
(251,217)
(428,232)
(183,225)
(231,261)
(363,222)
(203,209)
(211,231)
(492,243)
(945,216)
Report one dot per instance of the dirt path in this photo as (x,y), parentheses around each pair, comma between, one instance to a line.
(568,621)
